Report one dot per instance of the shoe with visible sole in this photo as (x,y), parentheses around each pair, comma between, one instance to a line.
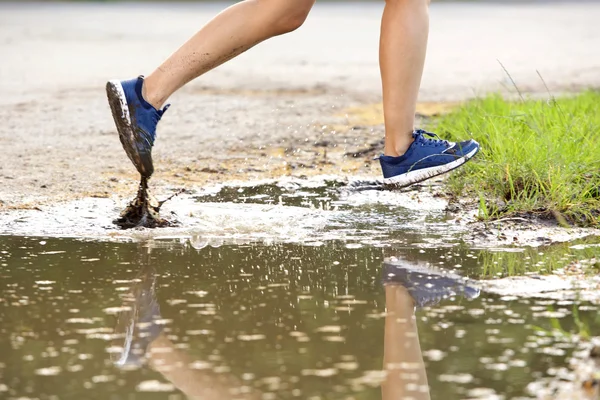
(425,158)
(427,286)
(136,121)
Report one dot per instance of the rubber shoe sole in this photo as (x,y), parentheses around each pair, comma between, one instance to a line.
(423,174)
(122,117)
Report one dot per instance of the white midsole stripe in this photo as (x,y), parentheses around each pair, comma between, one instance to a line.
(128,341)
(425,173)
(124,106)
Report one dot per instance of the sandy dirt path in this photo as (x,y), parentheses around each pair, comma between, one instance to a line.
(298,105)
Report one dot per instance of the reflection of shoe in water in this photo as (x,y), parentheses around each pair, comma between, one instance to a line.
(136,121)
(138,325)
(427,286)
(425,158)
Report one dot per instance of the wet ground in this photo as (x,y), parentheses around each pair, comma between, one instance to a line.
(295,210)
(291,106)
(169,317)
(270,283)
(291,289)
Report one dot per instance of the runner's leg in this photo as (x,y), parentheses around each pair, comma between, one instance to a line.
(404,33)
(229,34)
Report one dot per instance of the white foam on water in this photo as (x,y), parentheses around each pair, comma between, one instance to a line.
(365,215)
(555,287)
(246,221)
(284,182)
(93,218)
(414,200)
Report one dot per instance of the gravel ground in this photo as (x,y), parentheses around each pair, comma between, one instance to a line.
(296,105)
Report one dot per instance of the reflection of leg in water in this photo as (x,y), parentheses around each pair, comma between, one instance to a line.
(144,342)
(408,284)
(402,359)
(138,322)
(203,384)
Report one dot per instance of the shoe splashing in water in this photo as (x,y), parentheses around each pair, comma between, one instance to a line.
(409,155)
(136,121)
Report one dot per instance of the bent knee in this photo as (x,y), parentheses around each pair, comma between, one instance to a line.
(290,14)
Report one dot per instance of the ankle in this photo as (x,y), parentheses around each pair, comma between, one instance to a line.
(398,147)
(151,95)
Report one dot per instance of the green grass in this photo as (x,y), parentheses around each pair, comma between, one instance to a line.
(537,156)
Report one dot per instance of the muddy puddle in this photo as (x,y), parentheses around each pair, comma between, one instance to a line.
(293,210)
(195,317)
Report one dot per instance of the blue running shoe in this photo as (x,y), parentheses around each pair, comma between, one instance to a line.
(136,121)
(425,158)
(427,286)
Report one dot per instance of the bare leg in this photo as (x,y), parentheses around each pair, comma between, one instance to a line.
(203,384)
(402,48)
(229,34)
(137,321)
(402,359)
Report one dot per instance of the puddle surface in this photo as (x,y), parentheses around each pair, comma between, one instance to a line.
(284,210)
(180,318)
(292,210)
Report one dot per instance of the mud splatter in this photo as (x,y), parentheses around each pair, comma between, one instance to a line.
(144,210)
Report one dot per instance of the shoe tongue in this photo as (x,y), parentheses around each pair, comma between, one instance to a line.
(419,134)
(139,92)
